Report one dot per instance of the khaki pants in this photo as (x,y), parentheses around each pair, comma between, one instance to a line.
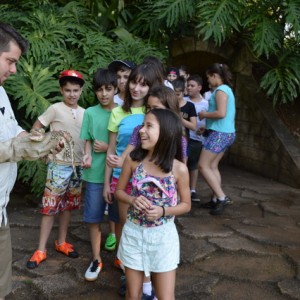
(5,261)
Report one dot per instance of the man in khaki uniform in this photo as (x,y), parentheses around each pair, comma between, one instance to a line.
(14,145)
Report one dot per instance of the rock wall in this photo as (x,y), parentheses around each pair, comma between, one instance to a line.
(263,144)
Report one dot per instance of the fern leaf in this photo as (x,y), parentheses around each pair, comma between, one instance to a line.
(217,19)
(33,172)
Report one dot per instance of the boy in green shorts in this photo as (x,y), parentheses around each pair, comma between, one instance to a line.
(63,184)
(95,133)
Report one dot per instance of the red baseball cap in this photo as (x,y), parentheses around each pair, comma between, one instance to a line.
(72,74)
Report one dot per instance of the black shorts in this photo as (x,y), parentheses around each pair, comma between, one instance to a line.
(195,148)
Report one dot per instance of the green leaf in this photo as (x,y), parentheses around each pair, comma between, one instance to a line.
(282,83)
(218,19)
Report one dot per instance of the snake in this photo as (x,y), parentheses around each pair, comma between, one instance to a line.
(38,135)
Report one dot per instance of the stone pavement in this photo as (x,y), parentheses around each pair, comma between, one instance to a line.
(251,252)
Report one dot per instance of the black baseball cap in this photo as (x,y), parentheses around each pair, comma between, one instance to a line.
(115,65)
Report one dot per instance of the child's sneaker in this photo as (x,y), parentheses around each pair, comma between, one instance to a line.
(122,289)
(149,297)
(66,249)
(110,243)
(118,264)
(195,197)
(106,210)
(37,257)
(93,270)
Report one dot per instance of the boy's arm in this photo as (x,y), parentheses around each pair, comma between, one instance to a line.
(87,157)
(37,125)
(100,146)
(108,170)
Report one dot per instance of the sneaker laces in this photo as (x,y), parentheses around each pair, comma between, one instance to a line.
(95,266)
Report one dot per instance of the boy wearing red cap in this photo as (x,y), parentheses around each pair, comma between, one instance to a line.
(63,184)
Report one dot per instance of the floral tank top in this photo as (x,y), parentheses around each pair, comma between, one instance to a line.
(161,191)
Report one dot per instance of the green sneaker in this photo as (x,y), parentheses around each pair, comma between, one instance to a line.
(110,243)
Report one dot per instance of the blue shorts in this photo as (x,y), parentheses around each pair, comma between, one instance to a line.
(218,142)
(94,205)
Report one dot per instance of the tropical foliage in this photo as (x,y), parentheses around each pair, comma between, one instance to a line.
(63,35)
(87,34)
(270,29)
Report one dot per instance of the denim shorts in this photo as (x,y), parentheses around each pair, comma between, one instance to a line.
(218,142)
(149,249)
(62,190)
(94,205)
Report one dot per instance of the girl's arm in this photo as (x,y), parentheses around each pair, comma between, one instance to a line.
(220,112)
(108,170)
(87,157)
(115,161)
(191,124)
(181,174)
(140,202)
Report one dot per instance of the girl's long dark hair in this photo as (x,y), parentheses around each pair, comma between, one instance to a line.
(166,96)
(169,144)
(223,71)
(142,73)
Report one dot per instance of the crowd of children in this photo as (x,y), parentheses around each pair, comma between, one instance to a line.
(137,151)
(121,156)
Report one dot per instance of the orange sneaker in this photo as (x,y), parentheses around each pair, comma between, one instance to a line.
(66,248)
(37,257)
(118,264)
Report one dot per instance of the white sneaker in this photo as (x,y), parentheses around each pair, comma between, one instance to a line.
(93,270)
(106,210)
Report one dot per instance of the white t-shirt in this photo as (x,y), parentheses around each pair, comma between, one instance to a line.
(207,95)
(118,100)
(199,106)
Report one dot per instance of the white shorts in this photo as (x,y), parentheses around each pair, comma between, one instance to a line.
(149,249)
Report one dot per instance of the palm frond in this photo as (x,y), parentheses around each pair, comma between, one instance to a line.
(282,83)
(217,19)
(163,14)
(34,87)
(267,34)
(33,172)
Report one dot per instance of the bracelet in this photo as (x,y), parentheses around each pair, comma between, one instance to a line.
(163,215)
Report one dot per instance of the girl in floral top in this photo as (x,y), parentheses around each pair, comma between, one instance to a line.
(149,241)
